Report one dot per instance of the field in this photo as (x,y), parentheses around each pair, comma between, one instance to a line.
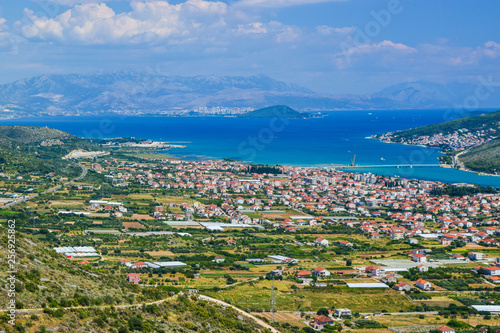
(257,296)
(438,301)
(282,317)
(142,217)
(133,225)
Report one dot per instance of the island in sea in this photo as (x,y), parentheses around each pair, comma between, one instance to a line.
(469,143)
(278,111)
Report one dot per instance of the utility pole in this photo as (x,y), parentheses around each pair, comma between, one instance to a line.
(31,216)
(273,300)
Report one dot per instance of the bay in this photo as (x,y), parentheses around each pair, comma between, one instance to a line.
(333,139)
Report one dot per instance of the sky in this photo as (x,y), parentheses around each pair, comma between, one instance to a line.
(329,46)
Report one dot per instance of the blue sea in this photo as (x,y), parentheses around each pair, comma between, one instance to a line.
(333,139)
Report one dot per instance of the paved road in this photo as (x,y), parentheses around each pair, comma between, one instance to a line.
(50,190)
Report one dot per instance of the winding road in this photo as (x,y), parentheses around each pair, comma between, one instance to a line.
(53,189)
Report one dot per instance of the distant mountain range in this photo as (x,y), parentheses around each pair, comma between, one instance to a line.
(142,93)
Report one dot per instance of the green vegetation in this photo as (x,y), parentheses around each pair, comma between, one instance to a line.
(37,150)
(261,169)
(277,111)
(484,158)
(459,191)
(484,121)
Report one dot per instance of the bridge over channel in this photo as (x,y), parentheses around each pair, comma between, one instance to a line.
(386,166)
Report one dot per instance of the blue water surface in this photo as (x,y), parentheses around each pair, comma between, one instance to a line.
(333,139)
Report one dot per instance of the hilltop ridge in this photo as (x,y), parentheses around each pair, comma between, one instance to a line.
(145,93)
(37,150)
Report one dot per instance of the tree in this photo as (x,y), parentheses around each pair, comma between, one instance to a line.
(135,323)
(323,311)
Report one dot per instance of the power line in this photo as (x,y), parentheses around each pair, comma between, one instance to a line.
(273,300)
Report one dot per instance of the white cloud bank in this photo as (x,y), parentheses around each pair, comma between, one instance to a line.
(147,21)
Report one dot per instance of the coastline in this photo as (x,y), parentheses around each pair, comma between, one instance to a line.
(443,165)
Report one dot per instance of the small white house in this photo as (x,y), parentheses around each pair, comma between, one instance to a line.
(321,241)
(423,284)
(321,272)
(476,256)
(342,312)
(419,258)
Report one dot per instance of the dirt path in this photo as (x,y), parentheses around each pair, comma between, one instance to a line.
(123,306)
(246,314)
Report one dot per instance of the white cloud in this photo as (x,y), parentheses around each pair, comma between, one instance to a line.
(252,28)
(281,3)
(4,34)
(326,30)
(491,49)
(148,21)
(71,3)
(189,22)
(385,45)
(387,48)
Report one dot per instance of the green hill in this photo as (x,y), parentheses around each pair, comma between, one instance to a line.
(484,158)
(483,121)
(481,156)
(67,297)
(37,150)
(276,111)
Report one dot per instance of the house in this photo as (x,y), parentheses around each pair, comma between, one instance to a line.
(321,241)
(274,273)
(218,259)
(422,284)
(389,278)
(493,271)
(373,270)
(458,257)
(345,243)
(494,279)
(304,274)
(139,264)
(422,268)
(476,256)
(412,241)
(403,286)
(342,312)
(84,262)
(96,167)
(321,321)
(231,242)
(321,272)
(124,261)
(419,258)
(445,329)
(135,278)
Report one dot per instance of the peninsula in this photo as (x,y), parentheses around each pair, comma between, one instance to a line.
(470,143)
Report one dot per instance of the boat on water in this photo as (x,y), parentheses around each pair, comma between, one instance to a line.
(382,159)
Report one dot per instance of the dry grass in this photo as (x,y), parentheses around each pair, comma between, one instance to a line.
(160,253)
(134,225)
(141,217)
(282,317)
